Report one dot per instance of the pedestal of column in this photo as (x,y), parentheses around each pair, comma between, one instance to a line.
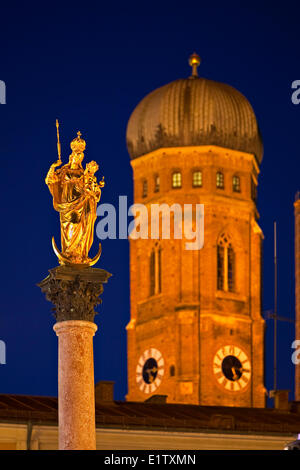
(74,293)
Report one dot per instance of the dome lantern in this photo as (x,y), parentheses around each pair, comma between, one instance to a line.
(194,61)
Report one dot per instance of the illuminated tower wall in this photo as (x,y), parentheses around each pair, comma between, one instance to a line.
(196,333)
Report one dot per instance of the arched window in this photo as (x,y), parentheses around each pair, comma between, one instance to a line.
(152,273)
(176,180)
(172,371)
(155,271)
(253,190)
(220,180)
(145,188)
(197,179)
(236,184)
(230,254)
(156,183)
(225,264)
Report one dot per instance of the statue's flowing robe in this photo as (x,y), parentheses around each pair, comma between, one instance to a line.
(77,208)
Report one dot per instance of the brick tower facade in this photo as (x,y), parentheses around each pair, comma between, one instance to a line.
(196,333)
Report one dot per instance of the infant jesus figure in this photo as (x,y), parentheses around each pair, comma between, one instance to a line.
(90,180)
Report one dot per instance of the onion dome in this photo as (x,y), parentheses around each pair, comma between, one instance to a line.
(191,112)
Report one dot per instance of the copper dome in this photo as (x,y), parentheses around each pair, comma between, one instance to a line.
(193,111)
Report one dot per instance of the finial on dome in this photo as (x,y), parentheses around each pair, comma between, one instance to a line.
(194,61)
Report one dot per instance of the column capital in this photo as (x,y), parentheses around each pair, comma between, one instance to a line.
(75,292)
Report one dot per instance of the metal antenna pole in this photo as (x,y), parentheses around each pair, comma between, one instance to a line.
(275,307)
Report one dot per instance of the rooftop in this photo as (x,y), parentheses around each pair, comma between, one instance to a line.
(163,416)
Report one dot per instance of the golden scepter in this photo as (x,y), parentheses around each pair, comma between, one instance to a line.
(58,142)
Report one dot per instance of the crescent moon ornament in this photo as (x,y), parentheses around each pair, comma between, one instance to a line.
(64,260)
(97,257)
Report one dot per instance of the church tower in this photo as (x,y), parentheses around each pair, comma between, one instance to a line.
(196,333)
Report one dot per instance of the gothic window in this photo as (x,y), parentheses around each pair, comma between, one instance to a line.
(225,264)
(197,179)
(156,183)
(220,180)
(230,253)
(155,271)
(176,180)
(159,270)
(152,273)
(236,184)
(220,260)
(145,188)
(253,190)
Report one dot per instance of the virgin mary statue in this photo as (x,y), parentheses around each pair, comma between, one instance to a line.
(75,194)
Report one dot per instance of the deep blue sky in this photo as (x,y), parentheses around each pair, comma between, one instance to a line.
(89,65)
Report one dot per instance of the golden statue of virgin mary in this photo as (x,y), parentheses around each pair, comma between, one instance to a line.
(75,194)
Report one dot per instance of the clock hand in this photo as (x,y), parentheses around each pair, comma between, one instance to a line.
(234,374)
(151,373)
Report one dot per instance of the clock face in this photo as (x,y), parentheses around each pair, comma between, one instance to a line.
(150,370)
(232,368)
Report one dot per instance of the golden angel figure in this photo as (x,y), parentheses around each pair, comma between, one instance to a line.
(75,194)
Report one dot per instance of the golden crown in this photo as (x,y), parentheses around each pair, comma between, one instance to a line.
(78,144)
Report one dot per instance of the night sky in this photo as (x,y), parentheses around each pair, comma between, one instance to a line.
(89,65)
